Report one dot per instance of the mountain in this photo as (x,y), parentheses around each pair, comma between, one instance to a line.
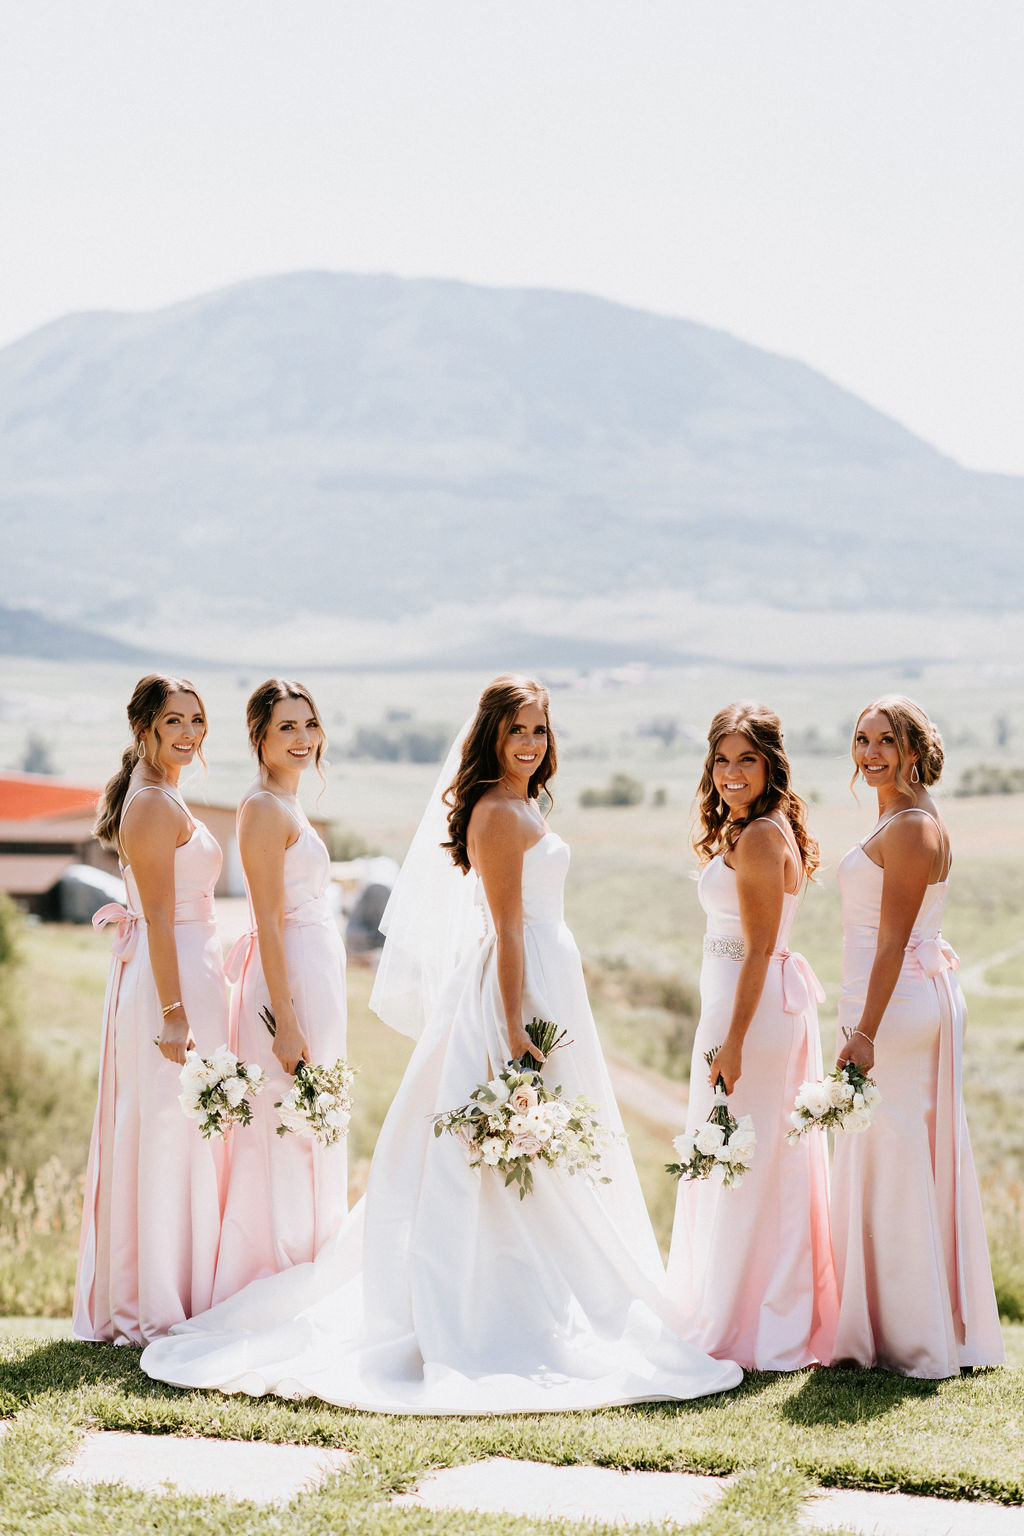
(23,633)
(367,449)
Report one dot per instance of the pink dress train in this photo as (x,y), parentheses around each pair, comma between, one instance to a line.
(911,1255)
(750,1267)
(286,1195)
(151,1220)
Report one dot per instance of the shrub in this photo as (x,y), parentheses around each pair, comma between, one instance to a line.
(621,789)
(987,779)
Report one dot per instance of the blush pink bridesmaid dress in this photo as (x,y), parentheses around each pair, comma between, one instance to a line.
(911,1255)
(153,1188)
(750,1267)
(286,1195)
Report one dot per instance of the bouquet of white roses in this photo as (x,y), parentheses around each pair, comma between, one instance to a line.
(722,1149)
(215,1090)
(515,1121)
(843,1101)
(318,1105)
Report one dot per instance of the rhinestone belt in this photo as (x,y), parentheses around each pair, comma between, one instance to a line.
(728,949)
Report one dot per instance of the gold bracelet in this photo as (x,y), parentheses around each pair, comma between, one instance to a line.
(170,1008)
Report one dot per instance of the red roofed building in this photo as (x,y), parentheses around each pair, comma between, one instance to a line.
(35,796)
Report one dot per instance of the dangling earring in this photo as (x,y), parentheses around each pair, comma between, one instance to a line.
(142,751)
(915,777)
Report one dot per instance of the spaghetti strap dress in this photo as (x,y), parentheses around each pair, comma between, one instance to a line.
(751,1265)
(154,1187)
(444,1292)
(915,1286)
(286,1195)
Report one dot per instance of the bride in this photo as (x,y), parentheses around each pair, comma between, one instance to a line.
(444,1292)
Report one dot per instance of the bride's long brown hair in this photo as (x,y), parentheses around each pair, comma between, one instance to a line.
(717,833)
(480,765)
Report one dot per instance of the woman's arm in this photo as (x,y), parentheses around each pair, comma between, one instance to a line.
(265,830)
(151,830)
(759,859)
(498,839)
(909,849)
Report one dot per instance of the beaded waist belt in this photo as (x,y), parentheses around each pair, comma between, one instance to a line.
(727,949)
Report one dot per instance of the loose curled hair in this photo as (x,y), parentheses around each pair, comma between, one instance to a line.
(481,765)
(718,832)
(913,732)
(259,711)
(144,709)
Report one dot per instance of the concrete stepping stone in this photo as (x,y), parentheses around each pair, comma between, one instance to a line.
(905,1514)
(534,1488)
(528,1488)
(234,1469)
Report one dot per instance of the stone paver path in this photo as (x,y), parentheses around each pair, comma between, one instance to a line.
(235,1469)
(273,1474)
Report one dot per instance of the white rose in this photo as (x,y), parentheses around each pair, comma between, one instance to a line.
(255,1075)
(235,1090)
(708,1139)
(337,1119)
(190,1105)
(743,1142)
(723,1154)
(840,1093)
(323,1102)
(859,1101)
(856,1120)
(491,1150)
(683,1146)
(499,1089)
(557,1113)
(798,1120)
(872,1095)
(225,1061)
(814,1098)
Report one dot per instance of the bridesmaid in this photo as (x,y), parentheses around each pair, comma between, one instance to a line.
(152,1212)
(750,1266)
(286,1195)
(911,1256)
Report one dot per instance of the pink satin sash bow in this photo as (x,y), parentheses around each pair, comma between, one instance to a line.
(799,983)
(934,955)
(238,956)
(127,922)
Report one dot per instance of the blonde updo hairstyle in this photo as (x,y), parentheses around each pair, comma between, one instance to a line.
(144,709)
(914,733)
(259,711)
(717,832)
(480,766)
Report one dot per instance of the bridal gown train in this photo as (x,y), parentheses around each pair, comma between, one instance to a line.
(444,1293)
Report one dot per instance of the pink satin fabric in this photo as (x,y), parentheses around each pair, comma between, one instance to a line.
(911,1254)
(750,1267)
(286,1196)
(151,1217)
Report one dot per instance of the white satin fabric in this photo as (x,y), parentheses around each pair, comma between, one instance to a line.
(445,1293)
(915,1287)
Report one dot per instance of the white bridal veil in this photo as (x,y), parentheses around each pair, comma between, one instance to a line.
(431,918)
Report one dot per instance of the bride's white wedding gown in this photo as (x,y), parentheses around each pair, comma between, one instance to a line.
(444,1293)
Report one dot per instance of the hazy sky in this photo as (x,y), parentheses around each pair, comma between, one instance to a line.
(843,183)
